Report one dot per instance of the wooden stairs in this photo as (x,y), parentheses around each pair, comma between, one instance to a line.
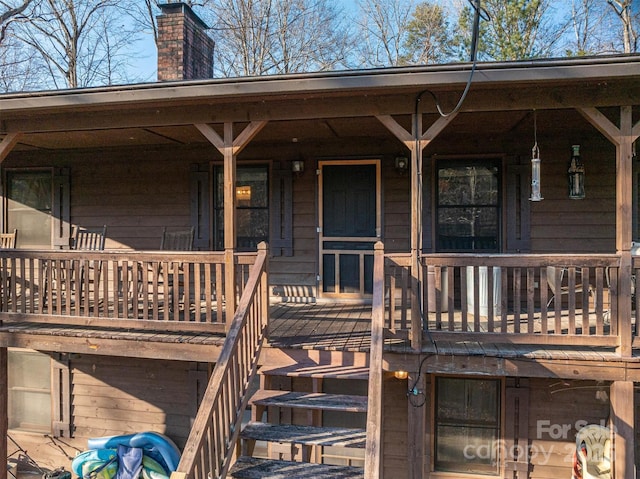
(310,422)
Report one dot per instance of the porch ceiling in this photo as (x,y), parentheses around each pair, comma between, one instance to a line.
(310,131)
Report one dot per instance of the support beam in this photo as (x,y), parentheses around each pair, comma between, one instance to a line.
(416,232)
(417,428)
(623,430)
(230,147)
(229,222)
(622,137)
(4,409)
(7,144)
(416,141)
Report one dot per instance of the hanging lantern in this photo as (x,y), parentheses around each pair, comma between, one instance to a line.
(535,165)
(576,175)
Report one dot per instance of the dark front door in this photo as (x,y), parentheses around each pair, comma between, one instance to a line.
(349,226)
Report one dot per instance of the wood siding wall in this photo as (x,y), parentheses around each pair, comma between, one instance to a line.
(395,428)
(112,396)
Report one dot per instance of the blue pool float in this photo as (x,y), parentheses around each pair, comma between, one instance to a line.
(155,445)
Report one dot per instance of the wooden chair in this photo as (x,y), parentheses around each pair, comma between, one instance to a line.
(86,239)
(177,240)
(89,239)
(8,240)
(558,288)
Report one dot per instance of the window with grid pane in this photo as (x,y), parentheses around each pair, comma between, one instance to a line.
(29,388)
(468,205)
(467,425)
(252,206)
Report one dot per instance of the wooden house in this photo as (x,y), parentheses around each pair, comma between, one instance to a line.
(365,241)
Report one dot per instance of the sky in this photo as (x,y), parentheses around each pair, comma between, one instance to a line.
(145,64)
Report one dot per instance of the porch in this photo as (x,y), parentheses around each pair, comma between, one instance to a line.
(487,300)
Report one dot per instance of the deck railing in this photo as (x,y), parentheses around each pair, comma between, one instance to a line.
(103,287)
(525,298)
(212,441)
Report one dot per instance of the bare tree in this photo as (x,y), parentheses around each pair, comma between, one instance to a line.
(586,17)
(261,37)
(9,11)
(383,31)
(79,41)
(19,70)
(629,22)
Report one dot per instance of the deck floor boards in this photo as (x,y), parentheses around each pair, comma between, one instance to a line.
(325,326)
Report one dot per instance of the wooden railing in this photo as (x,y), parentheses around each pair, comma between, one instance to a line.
(103,287)
(373,451)
(527,298)
(212,442)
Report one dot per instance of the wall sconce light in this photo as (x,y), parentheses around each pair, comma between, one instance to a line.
(402,164)
(400,374)
(297,166)
(576,175)
(243,193)
(535,164)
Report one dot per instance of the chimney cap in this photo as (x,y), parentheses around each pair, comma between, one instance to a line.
(171,7)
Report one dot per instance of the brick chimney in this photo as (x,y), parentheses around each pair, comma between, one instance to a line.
(185,51)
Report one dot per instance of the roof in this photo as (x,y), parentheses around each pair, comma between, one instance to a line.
(447,76)
(496,87)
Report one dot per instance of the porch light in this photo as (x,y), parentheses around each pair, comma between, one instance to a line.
(402,164)
(576,175)
(400,374)
(535,164)
(297,166)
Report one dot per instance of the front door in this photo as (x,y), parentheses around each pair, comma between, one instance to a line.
(349,226)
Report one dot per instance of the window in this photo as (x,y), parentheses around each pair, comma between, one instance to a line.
(468,213)
(252,207)
(29,387)
(30,206)
(467,425)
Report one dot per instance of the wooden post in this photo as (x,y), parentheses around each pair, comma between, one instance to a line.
(623,139)
(416,142)
(374,445)
(229,222)
(416,234)
(622,425)
(4,412)
(230,149)
(624,229)
(417,430)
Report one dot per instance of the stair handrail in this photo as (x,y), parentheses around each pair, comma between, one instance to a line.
(373,449)
(211,445)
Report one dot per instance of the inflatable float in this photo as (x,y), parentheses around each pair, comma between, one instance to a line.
(148,455)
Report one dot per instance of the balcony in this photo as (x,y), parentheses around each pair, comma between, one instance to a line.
(561,300)
(480,298)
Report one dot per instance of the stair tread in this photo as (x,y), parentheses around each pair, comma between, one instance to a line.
(323,401)
(307,435)
(328,371)
(254,468)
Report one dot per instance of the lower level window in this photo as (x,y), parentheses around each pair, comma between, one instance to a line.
(467,425)
(29,391)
